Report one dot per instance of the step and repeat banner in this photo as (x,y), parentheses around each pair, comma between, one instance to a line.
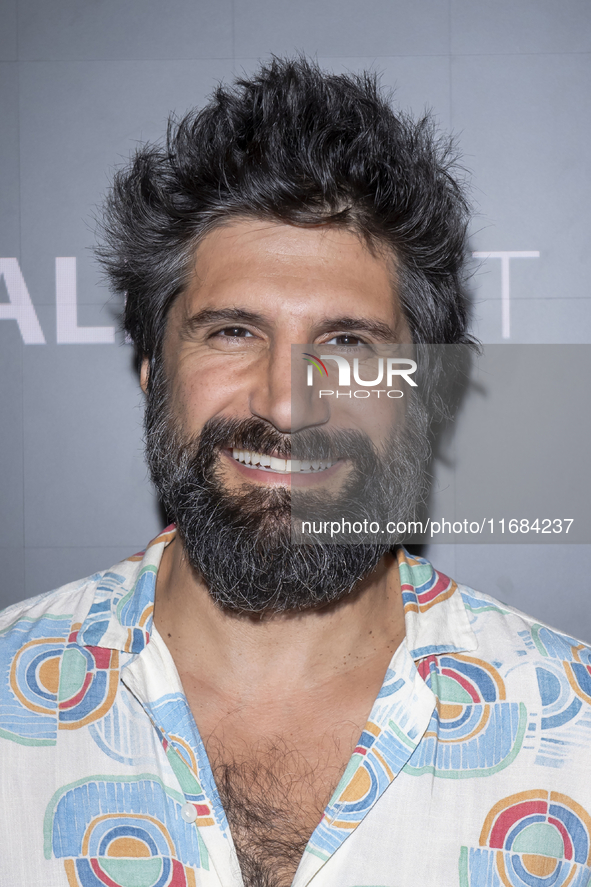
(82,84)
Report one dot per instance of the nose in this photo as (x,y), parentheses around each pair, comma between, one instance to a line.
(280,395)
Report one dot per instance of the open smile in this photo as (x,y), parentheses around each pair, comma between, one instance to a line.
(263,462)
(262,468)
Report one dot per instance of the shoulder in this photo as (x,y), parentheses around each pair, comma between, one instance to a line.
(50,678)
(55,614)
(33,637)
(501,628)
(534,663)
(521,691)
(52,609)
(110,609)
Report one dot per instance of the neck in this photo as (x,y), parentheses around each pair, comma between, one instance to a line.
(306,649)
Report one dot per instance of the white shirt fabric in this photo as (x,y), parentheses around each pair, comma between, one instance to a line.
(474,769)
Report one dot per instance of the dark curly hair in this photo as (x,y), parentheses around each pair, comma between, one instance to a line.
(298,145)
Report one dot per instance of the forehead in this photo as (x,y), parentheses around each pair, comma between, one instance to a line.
(286,271)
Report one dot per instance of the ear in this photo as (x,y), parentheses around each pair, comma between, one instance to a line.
(144,374)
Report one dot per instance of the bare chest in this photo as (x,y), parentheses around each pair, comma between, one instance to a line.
(274,795)
(276,760)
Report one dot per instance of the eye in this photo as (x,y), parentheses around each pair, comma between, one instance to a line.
(234,332)
(345,340)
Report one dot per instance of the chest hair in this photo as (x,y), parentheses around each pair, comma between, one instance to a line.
(274,798)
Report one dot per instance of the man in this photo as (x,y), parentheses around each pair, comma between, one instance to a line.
(231,707)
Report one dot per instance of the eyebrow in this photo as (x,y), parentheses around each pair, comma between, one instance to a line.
(220,315)
(381,331)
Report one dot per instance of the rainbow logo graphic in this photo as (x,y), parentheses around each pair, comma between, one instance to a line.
(531,839)
(312,362)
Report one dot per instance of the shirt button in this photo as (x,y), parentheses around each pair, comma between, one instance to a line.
(188,812)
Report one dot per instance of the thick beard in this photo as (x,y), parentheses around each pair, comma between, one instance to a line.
(241,543)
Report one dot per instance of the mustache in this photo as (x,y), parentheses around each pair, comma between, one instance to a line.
(260,437)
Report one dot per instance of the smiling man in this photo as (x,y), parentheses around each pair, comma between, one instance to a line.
(234,706)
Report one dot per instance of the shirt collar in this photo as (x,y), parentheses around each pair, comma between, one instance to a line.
(120,617)
(121,614)
(435,617)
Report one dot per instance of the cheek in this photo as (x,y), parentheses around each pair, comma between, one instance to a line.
(375,416)
(200,395)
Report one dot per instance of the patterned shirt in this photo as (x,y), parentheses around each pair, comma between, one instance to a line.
(473,768)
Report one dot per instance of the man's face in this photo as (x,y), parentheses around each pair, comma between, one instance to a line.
(258,288)
(225,386)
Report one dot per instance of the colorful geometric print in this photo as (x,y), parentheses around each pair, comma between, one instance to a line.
(531,839)
(122,735)
(579,672)
(551,643)
(121,617)
(473,732)
(575,657)
(367,776)
(560,701)
(123,832)
(175,727)
(167,535)
(122,612)
(190,785)
(480,604)
(52,683)
(397,722)
(28,692)
(564,682)
(422,587)
(89,677)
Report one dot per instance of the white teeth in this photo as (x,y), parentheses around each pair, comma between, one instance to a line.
(274,463)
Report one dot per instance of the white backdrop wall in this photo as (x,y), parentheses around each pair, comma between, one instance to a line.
(82,82)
